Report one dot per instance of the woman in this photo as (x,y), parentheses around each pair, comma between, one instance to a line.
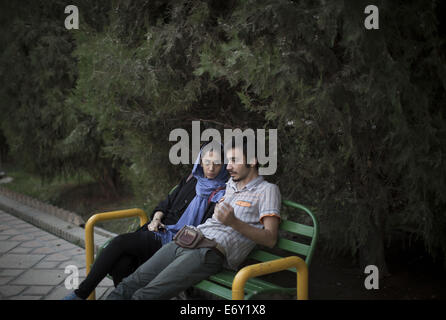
(127,252)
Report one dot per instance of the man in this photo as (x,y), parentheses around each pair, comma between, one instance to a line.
(249,214)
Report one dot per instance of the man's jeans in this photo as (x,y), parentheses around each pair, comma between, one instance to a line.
(169,271)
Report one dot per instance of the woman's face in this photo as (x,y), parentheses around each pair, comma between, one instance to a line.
(211,164)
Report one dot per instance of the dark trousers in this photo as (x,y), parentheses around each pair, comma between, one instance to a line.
(120,258)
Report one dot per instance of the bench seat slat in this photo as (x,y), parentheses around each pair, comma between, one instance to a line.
(216,289)
(226,278)
(253,286)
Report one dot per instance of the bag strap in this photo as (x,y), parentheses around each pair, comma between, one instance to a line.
(213,193)
(190,177)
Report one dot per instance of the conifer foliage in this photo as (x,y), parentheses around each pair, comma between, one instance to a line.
(360,113)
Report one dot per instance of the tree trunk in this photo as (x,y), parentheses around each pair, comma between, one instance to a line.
(373,252)
(109,182)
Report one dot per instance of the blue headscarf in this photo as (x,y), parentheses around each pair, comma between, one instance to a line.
(197,207)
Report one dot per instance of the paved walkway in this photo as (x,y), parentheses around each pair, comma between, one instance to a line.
(33,261)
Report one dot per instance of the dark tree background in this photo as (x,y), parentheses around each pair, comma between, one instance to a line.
(360,113)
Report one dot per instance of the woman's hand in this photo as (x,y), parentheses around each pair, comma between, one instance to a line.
(156,224)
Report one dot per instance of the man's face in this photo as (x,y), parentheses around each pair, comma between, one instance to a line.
(237,165)
(211,164)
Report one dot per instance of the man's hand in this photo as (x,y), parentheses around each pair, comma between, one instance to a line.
(267,236)
(224,213)
(156,224)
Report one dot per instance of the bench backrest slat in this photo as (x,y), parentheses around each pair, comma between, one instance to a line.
(293,246)
(297,228)
(264,256)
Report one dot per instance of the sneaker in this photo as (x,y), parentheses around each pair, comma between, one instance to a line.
(72,296)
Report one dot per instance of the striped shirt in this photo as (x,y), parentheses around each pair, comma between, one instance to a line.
(251,204)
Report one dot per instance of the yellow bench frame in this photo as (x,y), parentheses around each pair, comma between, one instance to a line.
(240,278)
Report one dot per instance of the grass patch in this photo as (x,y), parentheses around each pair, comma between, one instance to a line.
(32,185)
(79,194)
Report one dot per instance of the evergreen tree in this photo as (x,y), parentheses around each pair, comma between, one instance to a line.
(37,71)
(46,133)
(360,113)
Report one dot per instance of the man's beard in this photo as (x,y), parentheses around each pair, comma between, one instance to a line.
(240,178)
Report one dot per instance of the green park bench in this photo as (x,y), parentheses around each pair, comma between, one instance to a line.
(293,252)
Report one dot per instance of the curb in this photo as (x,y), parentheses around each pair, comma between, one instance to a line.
(62,223)
(45,207)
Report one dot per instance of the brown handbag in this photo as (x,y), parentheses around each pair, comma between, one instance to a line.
(189,237)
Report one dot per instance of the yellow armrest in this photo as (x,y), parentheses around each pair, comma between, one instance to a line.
(260,269)
(89,236)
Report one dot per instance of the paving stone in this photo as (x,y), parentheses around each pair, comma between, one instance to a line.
(78,264)
(56,257)
(32,244)
(17,222)
(37,233)
(6,221)
(47,237)
(47,265)
(20,261)
(40,277)
(32,262)
(57,242)
(9,232)
(5,280)
(21,250)
(102,293)
(5,246)
(11,290)
(38,290)
(7,218)
(63,248)
(44,250)
(106,282)
(83,272)
(26,230)
(40,233)
(26,298)
(79,256)
(10,272)
(58,293)
(75,253)
(22,237)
